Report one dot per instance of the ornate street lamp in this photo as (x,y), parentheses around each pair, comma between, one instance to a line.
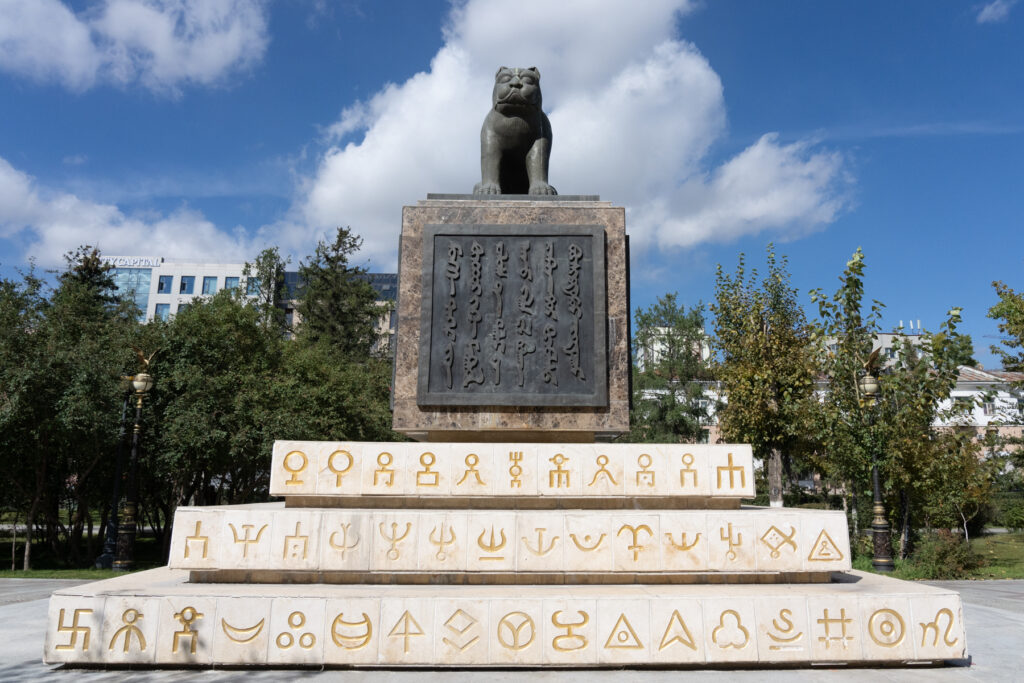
(106,560)
(868,387)
(125,557)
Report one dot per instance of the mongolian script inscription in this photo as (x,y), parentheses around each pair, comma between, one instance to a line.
(513,315)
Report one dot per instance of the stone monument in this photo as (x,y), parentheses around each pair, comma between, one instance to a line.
(508,534)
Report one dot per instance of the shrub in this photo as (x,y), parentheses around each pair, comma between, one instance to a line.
(944,555)
(1013,516)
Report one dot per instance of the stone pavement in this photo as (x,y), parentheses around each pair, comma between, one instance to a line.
(993,610)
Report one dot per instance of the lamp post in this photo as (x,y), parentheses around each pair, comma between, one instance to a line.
(106,559)
(124,559)
(881,541)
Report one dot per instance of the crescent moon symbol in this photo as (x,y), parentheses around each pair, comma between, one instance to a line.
(242,635)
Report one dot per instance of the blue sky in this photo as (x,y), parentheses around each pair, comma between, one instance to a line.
(208,129)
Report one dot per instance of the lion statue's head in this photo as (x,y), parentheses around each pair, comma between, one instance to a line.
(516,89)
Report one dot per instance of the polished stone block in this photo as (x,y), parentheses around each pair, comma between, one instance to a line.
(863,618)
(353,470)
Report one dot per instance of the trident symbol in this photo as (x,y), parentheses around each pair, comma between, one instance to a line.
(441,542)
(493,545)
(636,547)
(540,543)
(682,545)
(394,539)
(344,540)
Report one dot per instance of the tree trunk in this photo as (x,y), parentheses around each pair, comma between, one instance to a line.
(775,478)
(854,516)
(904,525)
(14,540)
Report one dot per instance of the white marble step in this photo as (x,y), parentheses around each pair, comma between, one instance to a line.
(157,618)
(349,469)
(273,538)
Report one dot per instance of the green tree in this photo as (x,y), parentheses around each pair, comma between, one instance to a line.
(337,305)
(766,367)
(264,288)
(922,466)
(670,372)
(1010,312)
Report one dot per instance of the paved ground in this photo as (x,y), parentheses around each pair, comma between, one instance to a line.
(994,612)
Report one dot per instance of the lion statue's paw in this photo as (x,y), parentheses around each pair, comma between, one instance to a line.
(487,188)
(542,188)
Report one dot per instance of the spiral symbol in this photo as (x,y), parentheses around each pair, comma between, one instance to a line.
(886,627)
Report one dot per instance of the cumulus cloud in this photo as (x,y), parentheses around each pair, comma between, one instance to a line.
(995,11)
(635,111)
(51,223)
(160,44)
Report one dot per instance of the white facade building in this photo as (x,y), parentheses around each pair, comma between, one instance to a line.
(161,287)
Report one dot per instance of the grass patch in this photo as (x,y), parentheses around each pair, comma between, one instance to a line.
(84,574)
(1003,556)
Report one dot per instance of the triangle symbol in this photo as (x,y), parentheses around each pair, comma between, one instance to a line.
(679,633)
(824,549)
(623,637)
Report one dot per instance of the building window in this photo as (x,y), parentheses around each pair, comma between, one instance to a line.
(188,283)
(183,307)
(989,408)
(252,285)
(163,311)
(210,285)
(231,283)
(164,284)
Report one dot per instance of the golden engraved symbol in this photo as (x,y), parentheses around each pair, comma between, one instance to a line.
(343,546)
(785,633)
(825,549)
(466,621)
(344,635)
(687,468)
(623,637)
(602,470)
(472,460)
(578,641)
(441,542)
(74,629)
(935,625)
(427,476)
(285,640)
(540,551)
(679,631)
(645,477)
(513,628)
(729,633)
(294,480)
(733,544)
(384,472)
(636,547)
(394,539)
(242,635)
(294,543)
(843,622)
(515,457)
(128,618)
(186,617)
(586,539)
(491,546)
(246,539)
(339,474)
(731,470)
(682,546)
(558,477)
(775,539)
(886,627)
(195,537)
(409,629)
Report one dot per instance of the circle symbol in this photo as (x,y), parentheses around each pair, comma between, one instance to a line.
(886,627)
(644,461)
(384,459)
(516,631)
(300,468)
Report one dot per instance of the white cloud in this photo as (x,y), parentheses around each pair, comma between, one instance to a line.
(995,11)
(52,223)
(634,110)
(161,44)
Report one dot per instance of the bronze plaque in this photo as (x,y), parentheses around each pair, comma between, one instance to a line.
(513,315)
